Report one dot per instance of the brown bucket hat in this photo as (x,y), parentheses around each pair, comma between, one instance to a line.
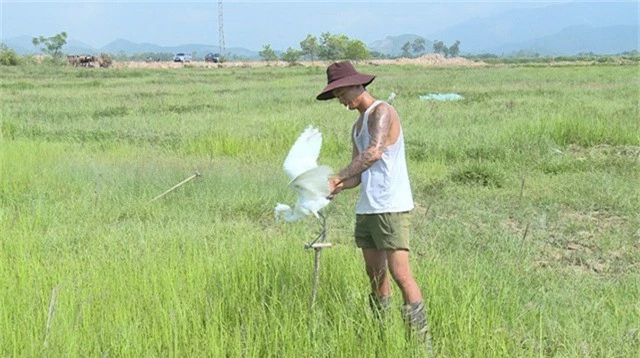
(343,74)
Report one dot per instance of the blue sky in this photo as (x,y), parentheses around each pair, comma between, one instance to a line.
(248,24)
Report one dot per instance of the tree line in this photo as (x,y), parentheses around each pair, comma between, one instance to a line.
(329,47)
(418,47)
(333,47)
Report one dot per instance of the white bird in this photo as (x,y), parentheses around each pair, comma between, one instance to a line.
(307,178)
(392,96)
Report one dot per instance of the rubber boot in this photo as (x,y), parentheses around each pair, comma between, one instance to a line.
(415,316)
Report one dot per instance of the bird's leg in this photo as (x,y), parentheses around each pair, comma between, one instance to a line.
(322,236)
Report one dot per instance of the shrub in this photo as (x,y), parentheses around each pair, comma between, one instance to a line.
(8,57)
(105,60)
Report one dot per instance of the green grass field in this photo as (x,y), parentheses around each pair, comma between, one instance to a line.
(526,233)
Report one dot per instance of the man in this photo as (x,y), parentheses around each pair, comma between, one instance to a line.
(379,166)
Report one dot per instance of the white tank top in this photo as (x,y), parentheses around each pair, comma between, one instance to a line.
(384,187)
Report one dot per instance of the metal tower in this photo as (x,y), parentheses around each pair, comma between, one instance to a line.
(220,28)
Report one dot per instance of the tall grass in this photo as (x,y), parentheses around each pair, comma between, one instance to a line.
(525,233)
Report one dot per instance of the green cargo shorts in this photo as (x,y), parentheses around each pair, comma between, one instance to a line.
(386,231)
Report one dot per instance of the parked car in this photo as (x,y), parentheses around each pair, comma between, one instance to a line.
(182,57)
(212,57)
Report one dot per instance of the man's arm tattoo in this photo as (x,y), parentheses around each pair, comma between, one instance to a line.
(381,120)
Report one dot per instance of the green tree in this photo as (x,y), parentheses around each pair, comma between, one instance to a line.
(454,50)
(267,54)
(310,47)
(439,47)
(418,46)
(405,49)
(51,45)
(291,56)
(356,50)
(333,47)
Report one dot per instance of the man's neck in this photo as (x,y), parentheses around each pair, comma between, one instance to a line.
(365,101)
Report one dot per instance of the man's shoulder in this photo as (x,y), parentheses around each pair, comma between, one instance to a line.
(384,108)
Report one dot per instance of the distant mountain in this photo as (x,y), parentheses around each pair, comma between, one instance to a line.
(130,48)
(578,39)
(392,45)
(521,25)
(23,46)
(78,47)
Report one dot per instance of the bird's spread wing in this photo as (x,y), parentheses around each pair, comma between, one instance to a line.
(307,178)
(304,153)
(313,188)
(313,183)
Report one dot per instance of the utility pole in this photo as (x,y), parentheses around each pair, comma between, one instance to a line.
(220,28)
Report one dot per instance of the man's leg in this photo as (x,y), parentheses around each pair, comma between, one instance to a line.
(414,311)
(398,262)
(376,265)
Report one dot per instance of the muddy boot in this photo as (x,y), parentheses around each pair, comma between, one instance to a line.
(415,316)
(380,306)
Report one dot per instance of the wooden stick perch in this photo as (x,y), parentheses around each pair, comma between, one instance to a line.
(197,174)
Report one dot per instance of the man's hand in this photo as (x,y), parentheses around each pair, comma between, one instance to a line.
(335,186)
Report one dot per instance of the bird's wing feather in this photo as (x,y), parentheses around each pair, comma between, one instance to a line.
(314,182)
(313,188)
(303,155)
